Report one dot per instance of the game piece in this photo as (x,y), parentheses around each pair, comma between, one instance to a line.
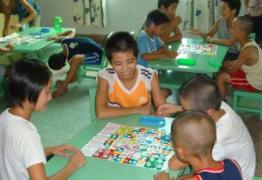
(186,61)
(152,121)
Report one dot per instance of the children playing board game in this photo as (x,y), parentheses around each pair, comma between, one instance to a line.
(245,72)
(126,88)
(194,135)
(150,45)
(201,93)
(222,27)
(171,31)
(22,155)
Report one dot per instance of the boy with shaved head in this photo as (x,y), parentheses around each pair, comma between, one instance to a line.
(245,72)
(194,135)
(233,139)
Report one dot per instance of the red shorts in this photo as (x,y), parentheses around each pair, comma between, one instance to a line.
(239,81)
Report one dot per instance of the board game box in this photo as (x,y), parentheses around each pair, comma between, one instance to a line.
(137,146)
(207,49)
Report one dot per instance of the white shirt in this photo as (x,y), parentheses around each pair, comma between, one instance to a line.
(20,147)
(234,142)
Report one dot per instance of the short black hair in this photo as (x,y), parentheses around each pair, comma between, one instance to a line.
(57,61)
(25,80)
(166,3)
(202,92)
(157,17)
(120,42)
(195,130)
(246,23)
(233,4)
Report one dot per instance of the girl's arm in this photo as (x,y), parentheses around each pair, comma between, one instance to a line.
(211,32)
(224,42)
(30,10)
(37,171)
(104,111)
(161,53)
(156,93)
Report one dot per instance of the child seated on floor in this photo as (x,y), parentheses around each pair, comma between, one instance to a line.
(171,31)
(194,135)
(126,88)
(150,45)
(76,51)
(222,27)
(233,139)
(246,72)
(22,155)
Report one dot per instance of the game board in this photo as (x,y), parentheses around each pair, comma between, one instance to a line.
(17,39)
(137,146)
(207,49)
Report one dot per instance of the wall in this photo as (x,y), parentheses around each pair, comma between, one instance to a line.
(122,14)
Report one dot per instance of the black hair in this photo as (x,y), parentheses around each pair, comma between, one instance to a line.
(120,42)
(246,23)
(196,130)
(157,17)
(202,92)
(166,3)
(25,80)
(233,4)
(57,61)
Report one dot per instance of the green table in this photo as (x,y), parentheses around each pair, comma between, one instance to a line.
(31,50)
(203,63)
(97,169)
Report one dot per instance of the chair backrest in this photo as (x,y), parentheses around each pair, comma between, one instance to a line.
(92,103)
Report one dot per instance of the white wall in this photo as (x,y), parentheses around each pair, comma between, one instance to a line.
(121,14)
(124,15)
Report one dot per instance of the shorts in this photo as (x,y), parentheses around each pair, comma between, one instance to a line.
(239,81)
(92,58)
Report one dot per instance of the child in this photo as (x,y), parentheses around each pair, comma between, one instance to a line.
(21,153)
(194,135)
(125,88)
(171,32)
(28,12)
(245,72)
(233,139)
(149,43)
(229,11)
(76,51)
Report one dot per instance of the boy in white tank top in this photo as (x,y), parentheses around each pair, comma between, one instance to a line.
(244,73)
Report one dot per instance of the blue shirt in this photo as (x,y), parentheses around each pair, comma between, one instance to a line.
(93,52)
(21,11)
(146,44)
(229,170)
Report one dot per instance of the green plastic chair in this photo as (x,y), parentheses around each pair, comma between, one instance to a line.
(89,71)
(257,96)
(92,103)
(173,79)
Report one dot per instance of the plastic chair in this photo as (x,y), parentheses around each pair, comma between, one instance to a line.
(89,71)
(257,96)
(92,103)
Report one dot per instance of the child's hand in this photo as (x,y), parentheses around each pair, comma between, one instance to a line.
(162,176)
(171,54)
(16,26)
(194,32)
(62,150)
(9,46)
(167,109)
(77,160)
